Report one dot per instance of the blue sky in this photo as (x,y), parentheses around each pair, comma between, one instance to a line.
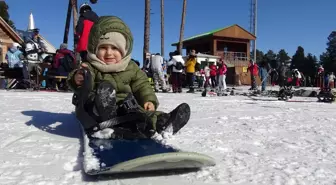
(281,24)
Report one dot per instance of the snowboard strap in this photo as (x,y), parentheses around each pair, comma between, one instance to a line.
(119,120)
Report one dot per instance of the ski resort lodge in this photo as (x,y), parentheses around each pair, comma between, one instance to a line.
(232,44)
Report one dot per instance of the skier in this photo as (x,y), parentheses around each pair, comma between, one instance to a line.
(282,75)
(156,63)
(190,70)
(253,68)
(112,91)
(263,73)
(177,64)
(221,72)
(86,19)
(332,80)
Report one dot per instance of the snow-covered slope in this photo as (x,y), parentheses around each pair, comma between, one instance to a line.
(253,142)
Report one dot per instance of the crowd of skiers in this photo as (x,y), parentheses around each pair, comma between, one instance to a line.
(180,73)
(284,76)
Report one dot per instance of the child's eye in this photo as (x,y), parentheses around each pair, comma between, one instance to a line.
(114,48)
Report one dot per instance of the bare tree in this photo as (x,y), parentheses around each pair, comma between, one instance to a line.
(180,45)
(147,29)
(162,28)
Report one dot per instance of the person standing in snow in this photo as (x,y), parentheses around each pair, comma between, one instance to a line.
(213,75)
(274,76)
(190,70)
(86,20)
(156,64)
(207,75)
(332,80)
(177,64)
(253,69)
(263,73)
(221,75)
(320,76)
(297,77)
(282,75)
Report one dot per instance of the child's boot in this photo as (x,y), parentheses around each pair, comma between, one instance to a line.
(175,119)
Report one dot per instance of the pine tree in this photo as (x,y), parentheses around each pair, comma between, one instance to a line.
(5,15)
(328,58)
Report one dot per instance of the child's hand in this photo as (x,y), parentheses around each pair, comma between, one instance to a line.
(79,76)
(149,106)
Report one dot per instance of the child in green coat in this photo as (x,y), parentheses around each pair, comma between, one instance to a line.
(111,91)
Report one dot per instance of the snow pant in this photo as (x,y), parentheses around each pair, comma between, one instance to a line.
(281,81)
(319,82)
(158,78)
(176,81)
(264,83)
(190,80)
(221,82)
(28,68)
(213,81)
(297,82)
(253,82)
(101,105)
(207,83)
(273,79)
(199,80)
(331,84)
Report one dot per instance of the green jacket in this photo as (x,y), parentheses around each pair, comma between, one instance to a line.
(132,80)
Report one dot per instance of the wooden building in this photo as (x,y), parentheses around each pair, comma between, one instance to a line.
(232,44)
(8,36)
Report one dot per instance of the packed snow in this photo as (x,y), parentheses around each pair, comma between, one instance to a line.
(252,141)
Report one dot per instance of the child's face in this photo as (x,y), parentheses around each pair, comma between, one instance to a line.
(109,54)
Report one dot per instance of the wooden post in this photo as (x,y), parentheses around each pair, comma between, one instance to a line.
(67,23)
(162,28)
(214,47)
(75,19)
(146,30)
(180,45)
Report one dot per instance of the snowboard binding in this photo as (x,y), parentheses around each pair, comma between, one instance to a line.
(326,95)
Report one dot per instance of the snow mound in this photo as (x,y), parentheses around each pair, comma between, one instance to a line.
(106,133)
(90,161)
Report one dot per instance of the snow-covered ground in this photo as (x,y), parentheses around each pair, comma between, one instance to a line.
(253,142)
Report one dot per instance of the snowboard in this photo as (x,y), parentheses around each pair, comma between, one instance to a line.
(110,156)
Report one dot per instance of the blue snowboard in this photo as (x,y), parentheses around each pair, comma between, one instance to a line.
(143,155)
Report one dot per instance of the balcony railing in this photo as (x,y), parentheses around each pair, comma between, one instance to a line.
(234,58)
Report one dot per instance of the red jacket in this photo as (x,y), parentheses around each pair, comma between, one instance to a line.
(213,70)
(222,70)
(60,54)
(83,39)
(253,69)
(83,28)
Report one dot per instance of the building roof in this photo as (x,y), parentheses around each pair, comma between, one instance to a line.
(25,34)
(10,31)
(213,32)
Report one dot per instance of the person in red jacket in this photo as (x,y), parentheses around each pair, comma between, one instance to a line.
(253,68)
(86,20)
(221,75)
(213,75)
(64,61)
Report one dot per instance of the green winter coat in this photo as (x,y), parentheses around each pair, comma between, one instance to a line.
(126,77)
(132,80)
